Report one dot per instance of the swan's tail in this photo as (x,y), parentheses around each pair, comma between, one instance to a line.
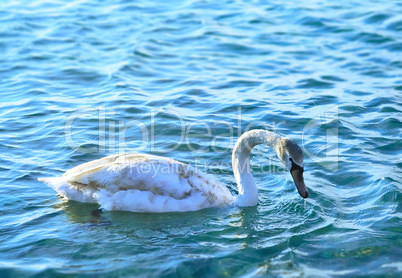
(54,183)
(70,191)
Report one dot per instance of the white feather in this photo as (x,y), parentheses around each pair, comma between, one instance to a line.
(148,183)
(141,183)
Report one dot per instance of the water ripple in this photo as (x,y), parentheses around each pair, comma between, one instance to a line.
(326,74)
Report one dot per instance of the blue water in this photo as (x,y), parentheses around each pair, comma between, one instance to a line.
(183,79)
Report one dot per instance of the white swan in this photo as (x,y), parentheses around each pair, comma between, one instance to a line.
(148,183)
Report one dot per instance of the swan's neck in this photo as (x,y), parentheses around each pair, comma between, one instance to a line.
(248,194)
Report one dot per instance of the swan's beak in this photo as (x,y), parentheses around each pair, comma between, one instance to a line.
(297,175)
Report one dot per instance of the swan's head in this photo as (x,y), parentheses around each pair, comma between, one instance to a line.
(291,156)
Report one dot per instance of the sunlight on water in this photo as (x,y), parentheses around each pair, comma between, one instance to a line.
(184,79)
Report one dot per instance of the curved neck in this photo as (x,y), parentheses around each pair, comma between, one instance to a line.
(248,194)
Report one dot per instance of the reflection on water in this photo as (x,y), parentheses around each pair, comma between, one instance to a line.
(77,212)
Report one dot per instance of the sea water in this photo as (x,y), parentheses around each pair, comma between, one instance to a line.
(184,79)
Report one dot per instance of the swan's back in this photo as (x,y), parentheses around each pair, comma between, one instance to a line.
(142,183)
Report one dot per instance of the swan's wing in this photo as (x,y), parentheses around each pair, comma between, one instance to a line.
(94,166)
(163,185)
(81,182)
(127,171)
(141,182)
(90,166)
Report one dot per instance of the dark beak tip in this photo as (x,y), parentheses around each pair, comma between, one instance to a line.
(303,192)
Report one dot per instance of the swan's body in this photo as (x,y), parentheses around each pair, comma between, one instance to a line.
(148,183)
